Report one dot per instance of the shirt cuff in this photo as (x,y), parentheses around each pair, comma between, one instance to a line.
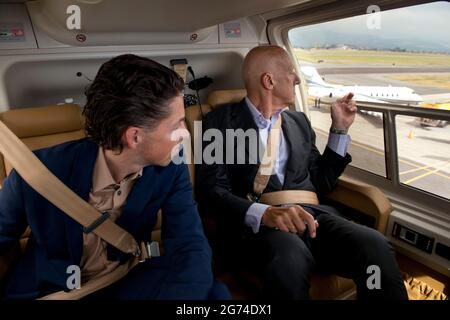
(254,215)
(339,143)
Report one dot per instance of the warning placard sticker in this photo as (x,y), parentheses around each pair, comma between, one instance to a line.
(12,32)
(232,30)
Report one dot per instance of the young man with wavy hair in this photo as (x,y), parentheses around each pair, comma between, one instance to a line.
(133,112)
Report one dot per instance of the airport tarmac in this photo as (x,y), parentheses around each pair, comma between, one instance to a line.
(377,79)
(377,76)
(424,153)
(336,69)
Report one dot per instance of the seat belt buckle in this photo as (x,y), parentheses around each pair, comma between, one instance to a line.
(148,250)
(254,197)
(153,249)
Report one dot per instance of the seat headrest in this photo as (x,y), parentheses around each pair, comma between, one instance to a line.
(41,121)
(194,113)
(219,97)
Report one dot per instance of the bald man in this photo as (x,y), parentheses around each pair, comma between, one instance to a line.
(285,243)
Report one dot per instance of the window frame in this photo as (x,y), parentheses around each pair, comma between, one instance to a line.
(402,196)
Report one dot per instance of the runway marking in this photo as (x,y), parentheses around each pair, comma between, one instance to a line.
(426,174)
(425,168)
(428,170)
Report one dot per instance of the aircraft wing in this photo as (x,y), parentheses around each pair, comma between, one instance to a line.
(334,92)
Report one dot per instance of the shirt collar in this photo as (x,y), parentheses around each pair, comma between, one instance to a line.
(259,119)
(102,177)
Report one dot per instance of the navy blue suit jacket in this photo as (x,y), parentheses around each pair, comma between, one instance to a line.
(57,240)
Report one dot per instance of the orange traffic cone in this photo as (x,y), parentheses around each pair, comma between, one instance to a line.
(410,135)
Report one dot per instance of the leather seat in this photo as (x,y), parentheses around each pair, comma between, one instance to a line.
(38,128)
(368,203)
(42,127)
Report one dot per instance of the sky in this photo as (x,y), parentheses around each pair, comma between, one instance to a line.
(421,27)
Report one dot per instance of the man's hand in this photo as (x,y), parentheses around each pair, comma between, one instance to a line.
(290,219)
(343,112)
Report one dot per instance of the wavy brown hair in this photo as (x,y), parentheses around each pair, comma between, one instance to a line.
(128,91)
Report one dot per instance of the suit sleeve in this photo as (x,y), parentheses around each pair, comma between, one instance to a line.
(213,189)
(325,169)
(13,221)
(190,274)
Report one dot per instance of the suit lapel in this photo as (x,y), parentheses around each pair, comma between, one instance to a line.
(295,141)
(241,118)
(138,199)
(81,183)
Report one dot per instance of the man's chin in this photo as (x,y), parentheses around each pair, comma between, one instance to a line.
(166,162)
(160,163)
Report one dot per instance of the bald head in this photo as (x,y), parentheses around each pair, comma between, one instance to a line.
(270,78)
(260,60)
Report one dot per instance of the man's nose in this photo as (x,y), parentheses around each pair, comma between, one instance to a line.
(297,80)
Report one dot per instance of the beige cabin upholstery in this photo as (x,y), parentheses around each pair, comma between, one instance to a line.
(42,127)
(38,128)
(51,125)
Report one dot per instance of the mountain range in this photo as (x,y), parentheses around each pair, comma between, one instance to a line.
(307,39)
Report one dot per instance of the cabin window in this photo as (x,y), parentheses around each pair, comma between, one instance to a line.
(354,54)
(424,155)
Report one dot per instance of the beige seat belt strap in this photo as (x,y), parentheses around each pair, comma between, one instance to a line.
(95,284)
(265,171)
(278,198)
(180,67)
(50,187)
(148,251)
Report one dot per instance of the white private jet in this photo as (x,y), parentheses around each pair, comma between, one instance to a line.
(318,88)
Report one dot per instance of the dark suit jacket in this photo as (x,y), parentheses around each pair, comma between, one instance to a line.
(56,241)
(222,188)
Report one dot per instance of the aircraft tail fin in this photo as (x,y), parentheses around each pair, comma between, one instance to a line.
(312,75)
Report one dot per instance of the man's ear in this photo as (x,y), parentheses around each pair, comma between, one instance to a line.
(267,80)
(132,136)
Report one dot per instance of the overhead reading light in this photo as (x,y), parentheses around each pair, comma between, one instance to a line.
(89,1)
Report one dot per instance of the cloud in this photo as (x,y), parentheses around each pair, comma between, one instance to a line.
(421,26)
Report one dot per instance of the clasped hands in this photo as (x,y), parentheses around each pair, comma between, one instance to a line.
(292,219)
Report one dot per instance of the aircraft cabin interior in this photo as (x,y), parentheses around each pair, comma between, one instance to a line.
(398,182)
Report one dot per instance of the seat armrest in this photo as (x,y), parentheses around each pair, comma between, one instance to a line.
(364,198)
